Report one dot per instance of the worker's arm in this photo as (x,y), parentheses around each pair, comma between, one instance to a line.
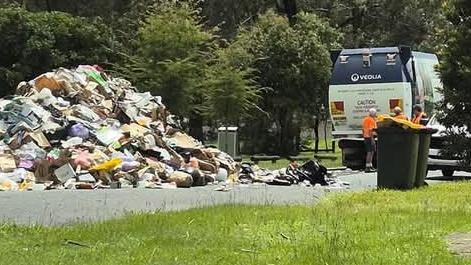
(373,132)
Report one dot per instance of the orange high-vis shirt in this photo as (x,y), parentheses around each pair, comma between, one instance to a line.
(369,124)
(417,119)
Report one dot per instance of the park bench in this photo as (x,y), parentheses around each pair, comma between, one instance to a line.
(259,158)
(325,157)
(300,158)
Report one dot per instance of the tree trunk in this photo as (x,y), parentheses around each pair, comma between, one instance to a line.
(316,134)
(287,141)
(196,126)
(48,6)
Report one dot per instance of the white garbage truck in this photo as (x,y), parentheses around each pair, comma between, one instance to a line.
(380,78)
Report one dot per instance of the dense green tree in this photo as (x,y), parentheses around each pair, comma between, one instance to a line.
(230,93)
(455,72)
(294,62)
(171,59)
(85,8)
(382,22)
(33,43)
(124,17)
(364,22)
(228,15)
(224,14)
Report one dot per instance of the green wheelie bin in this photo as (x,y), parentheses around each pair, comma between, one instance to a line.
(425,136)
(398,150)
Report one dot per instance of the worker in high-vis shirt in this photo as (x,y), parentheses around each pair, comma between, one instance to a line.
(419,115)
(369,133)
(398,114)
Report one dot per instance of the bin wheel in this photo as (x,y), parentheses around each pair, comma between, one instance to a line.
(448,172)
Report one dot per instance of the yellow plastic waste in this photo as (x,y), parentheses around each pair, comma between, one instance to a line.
(386,120)
(108,165)
(233,178)
(144,121)
(25,185)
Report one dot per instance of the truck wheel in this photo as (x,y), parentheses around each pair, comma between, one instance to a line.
(448,172)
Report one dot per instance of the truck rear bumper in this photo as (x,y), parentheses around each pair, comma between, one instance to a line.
(353,153)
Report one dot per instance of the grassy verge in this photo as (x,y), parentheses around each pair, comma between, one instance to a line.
(329,163)
(384,227)
(282,163)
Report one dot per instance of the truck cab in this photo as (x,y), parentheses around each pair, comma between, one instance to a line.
(380,78)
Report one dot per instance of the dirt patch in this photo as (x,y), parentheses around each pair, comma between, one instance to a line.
(460,244)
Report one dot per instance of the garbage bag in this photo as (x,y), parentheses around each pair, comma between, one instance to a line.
(313,172)
(108,135)
(79,130)
(30,151)
(222,175)
(181,179)
(45,97)
(198,178)
(128,161)
(26,164)
(246,172)
(74,141)
(17,175)
(279,182)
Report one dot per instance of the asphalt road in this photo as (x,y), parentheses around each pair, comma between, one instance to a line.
(62,207)
(72,206)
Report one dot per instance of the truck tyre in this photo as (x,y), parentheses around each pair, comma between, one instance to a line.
(448,172)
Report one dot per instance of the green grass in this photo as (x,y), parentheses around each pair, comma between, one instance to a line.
(284,162)
(385,227)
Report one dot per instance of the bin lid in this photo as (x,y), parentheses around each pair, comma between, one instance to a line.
(230,129)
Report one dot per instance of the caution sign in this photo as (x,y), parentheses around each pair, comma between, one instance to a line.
(337,109)
(396,102)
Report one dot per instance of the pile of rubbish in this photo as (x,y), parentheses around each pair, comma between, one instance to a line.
(82,129)
(310,173)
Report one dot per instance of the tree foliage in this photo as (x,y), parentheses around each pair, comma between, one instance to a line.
(230,93)
(455,72)
(173,50)
(229,15)
(369,23)
(33,43)
(293,61)
(364,22)
(178,59)
(83,8)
